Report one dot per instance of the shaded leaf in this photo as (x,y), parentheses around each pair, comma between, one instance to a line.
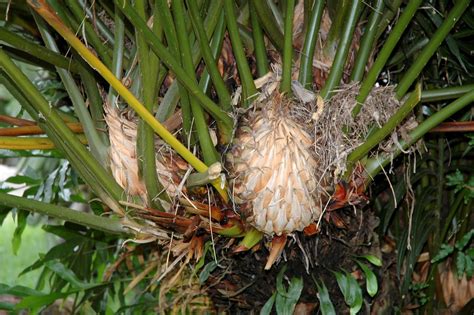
(279,281)
(4,211)
(285,304)
(350,290)
(202,260)
(325,305)
(33,302)
(7,306)
(343,284)
(18,290)
(460,264)
(469,266)
(470,252)
(22,179)
(456,180)
(460,244)
(444,252)
(59,251)
(355,295)
(295,288)
(67,274)
(20,227)
(267,307)
(206,272)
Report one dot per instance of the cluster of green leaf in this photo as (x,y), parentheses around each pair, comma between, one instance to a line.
(459,183)
(464,255)
(284,298)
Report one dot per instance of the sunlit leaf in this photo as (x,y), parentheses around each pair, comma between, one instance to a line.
(325,305)
(370,279)
(373,260)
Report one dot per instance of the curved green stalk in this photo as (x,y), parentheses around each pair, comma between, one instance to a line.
(95,101)
(249,91)
(38,51)
(216,48)
(285,86)
(374,165)
(164,13)
(44,10)
(337,68)
(108,225)
(385,53)
(211,66)
(307,54)
(49,120)
(225,123)
(97,146)
(149,69)
(447,93)
(375,138)
(268,23)
(207,148)
(172,95)
(367,41)
(118,51)
(413,72)
(258,42)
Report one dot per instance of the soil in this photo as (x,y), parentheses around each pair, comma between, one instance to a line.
(242,286)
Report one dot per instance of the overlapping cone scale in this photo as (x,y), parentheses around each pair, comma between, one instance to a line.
(124,157)
(273,169)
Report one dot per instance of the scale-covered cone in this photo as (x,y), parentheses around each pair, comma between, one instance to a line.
(123,157)
(274,170)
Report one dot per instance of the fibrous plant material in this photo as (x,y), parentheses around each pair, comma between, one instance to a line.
(124,158)
(273,167)
(290,153)
(337,133)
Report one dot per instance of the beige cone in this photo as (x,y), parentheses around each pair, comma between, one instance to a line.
(123,157)
(273,169)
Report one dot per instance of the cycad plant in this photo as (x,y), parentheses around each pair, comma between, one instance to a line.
(212,142)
